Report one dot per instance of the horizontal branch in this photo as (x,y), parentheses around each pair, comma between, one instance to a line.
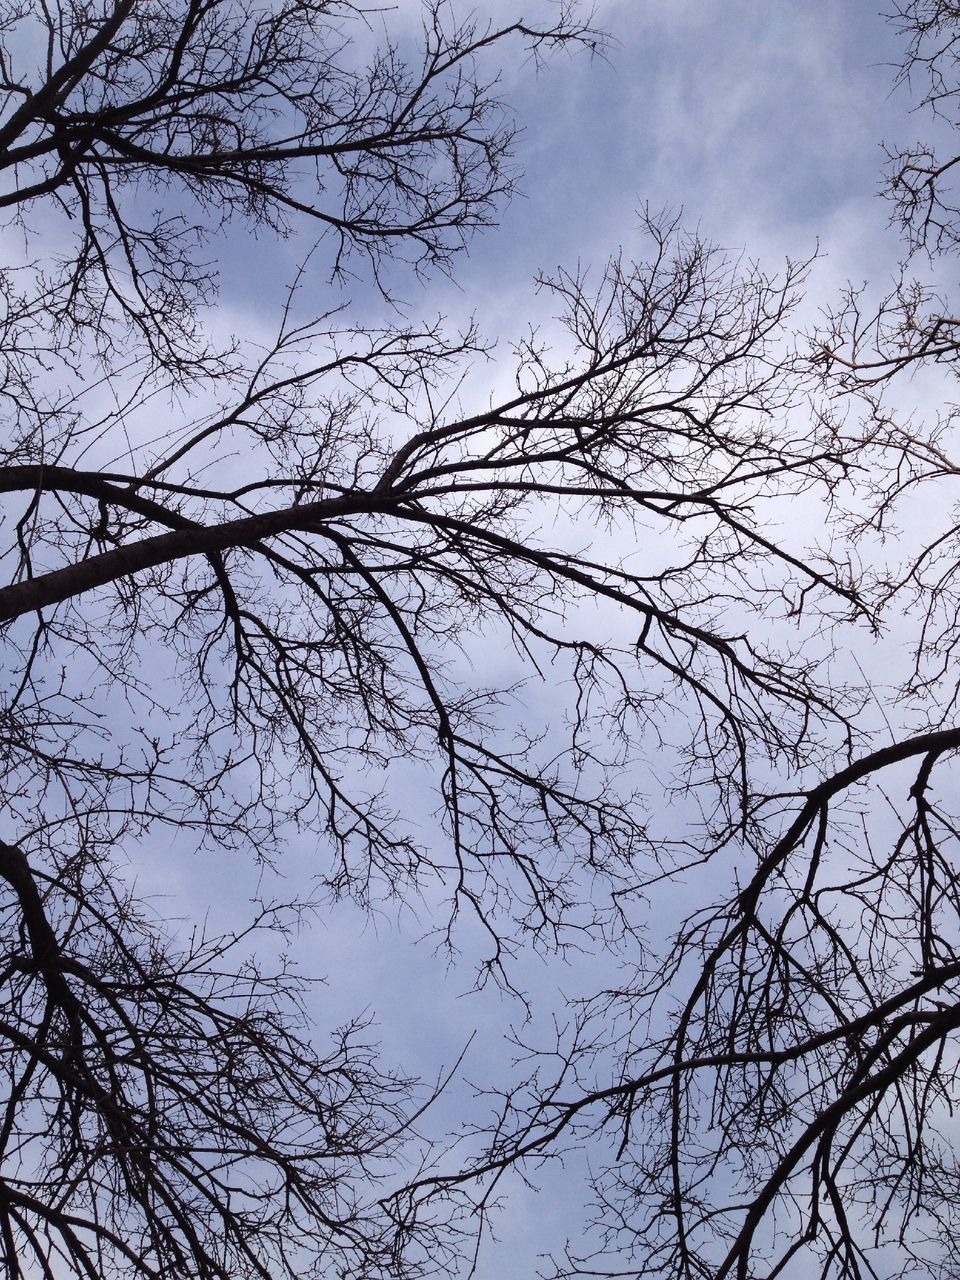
(164,548)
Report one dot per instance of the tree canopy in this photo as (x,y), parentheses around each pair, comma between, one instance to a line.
(246,581)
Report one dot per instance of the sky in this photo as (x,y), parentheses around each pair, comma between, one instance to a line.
(763,121)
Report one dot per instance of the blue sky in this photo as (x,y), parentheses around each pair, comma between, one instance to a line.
(763,120)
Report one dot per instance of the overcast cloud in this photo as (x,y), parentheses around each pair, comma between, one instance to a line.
(764,122)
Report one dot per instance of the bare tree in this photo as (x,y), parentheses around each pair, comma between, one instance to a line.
(252,619)
(238,111)
(310,608)
(777,1095)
